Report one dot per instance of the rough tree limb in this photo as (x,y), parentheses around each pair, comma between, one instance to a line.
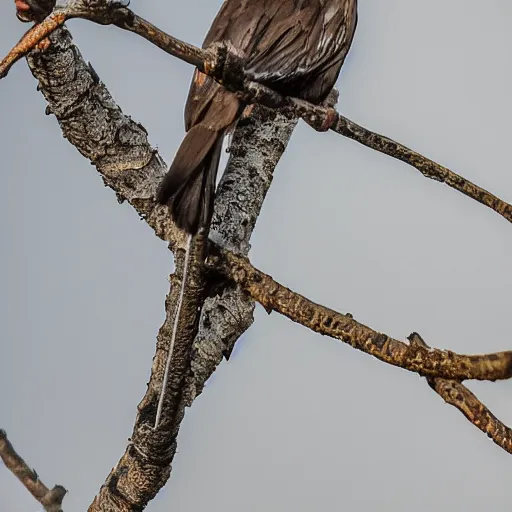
(255,149)
(424,361)
(119,149)
(222,64)
(417,356)
(455,393)
(50,499)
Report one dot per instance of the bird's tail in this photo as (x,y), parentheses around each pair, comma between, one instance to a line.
(189,185)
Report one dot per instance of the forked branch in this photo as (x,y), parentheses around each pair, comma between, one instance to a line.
(121,153)
(414,357)
(455,393)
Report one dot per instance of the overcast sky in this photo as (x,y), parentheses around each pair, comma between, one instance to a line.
(294,421)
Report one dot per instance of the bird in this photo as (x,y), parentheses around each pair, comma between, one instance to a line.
(295,47)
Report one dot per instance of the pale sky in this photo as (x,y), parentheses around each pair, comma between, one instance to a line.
(294,421)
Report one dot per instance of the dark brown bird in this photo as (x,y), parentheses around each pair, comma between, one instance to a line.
(296,47)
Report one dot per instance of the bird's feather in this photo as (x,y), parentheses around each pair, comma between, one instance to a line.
(296,47)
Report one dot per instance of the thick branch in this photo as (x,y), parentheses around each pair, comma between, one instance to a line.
(455,393)
(223,65)
(119,149)
(255,150)
(146,464)
(131,167)
(427,362)
(50,499)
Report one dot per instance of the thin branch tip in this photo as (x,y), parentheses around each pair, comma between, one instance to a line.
(454,393)
(52,499)
(414,357)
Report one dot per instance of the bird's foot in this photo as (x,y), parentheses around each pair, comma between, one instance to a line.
(22,10)
(320,118)
(35,11)
(328,121)
(227,65)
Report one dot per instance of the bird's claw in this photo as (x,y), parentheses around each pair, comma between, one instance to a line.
(227,65)
(321,120)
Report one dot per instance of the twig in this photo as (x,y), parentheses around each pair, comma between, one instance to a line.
(102,12)
(50,499)
(427,362)
(455,393)
(427,167)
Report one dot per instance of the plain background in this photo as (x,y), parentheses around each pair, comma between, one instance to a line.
(294,421)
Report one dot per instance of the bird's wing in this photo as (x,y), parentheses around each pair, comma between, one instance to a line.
(302,44)
(203,89)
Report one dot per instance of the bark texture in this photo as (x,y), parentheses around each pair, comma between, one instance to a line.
(50,499)
(219,299)
(413,357)
(119,149)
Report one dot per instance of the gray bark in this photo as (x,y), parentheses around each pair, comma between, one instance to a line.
(119,149)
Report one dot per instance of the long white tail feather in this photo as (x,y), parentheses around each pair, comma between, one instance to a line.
(174,332)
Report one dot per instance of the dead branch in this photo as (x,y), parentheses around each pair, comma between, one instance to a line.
(118,147)
(50,499)
(227,68)
(455,393)
(146,464)
(255,150)
(426,362)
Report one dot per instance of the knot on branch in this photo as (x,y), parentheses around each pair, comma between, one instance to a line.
(321,118)
(227,65)
(52,501)
(106,12)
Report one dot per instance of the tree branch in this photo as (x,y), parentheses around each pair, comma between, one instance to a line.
(50,499)
(427,167)
(426,362)
(119,149)
(146,464)
(222,63)
(255,150)
(455,393)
